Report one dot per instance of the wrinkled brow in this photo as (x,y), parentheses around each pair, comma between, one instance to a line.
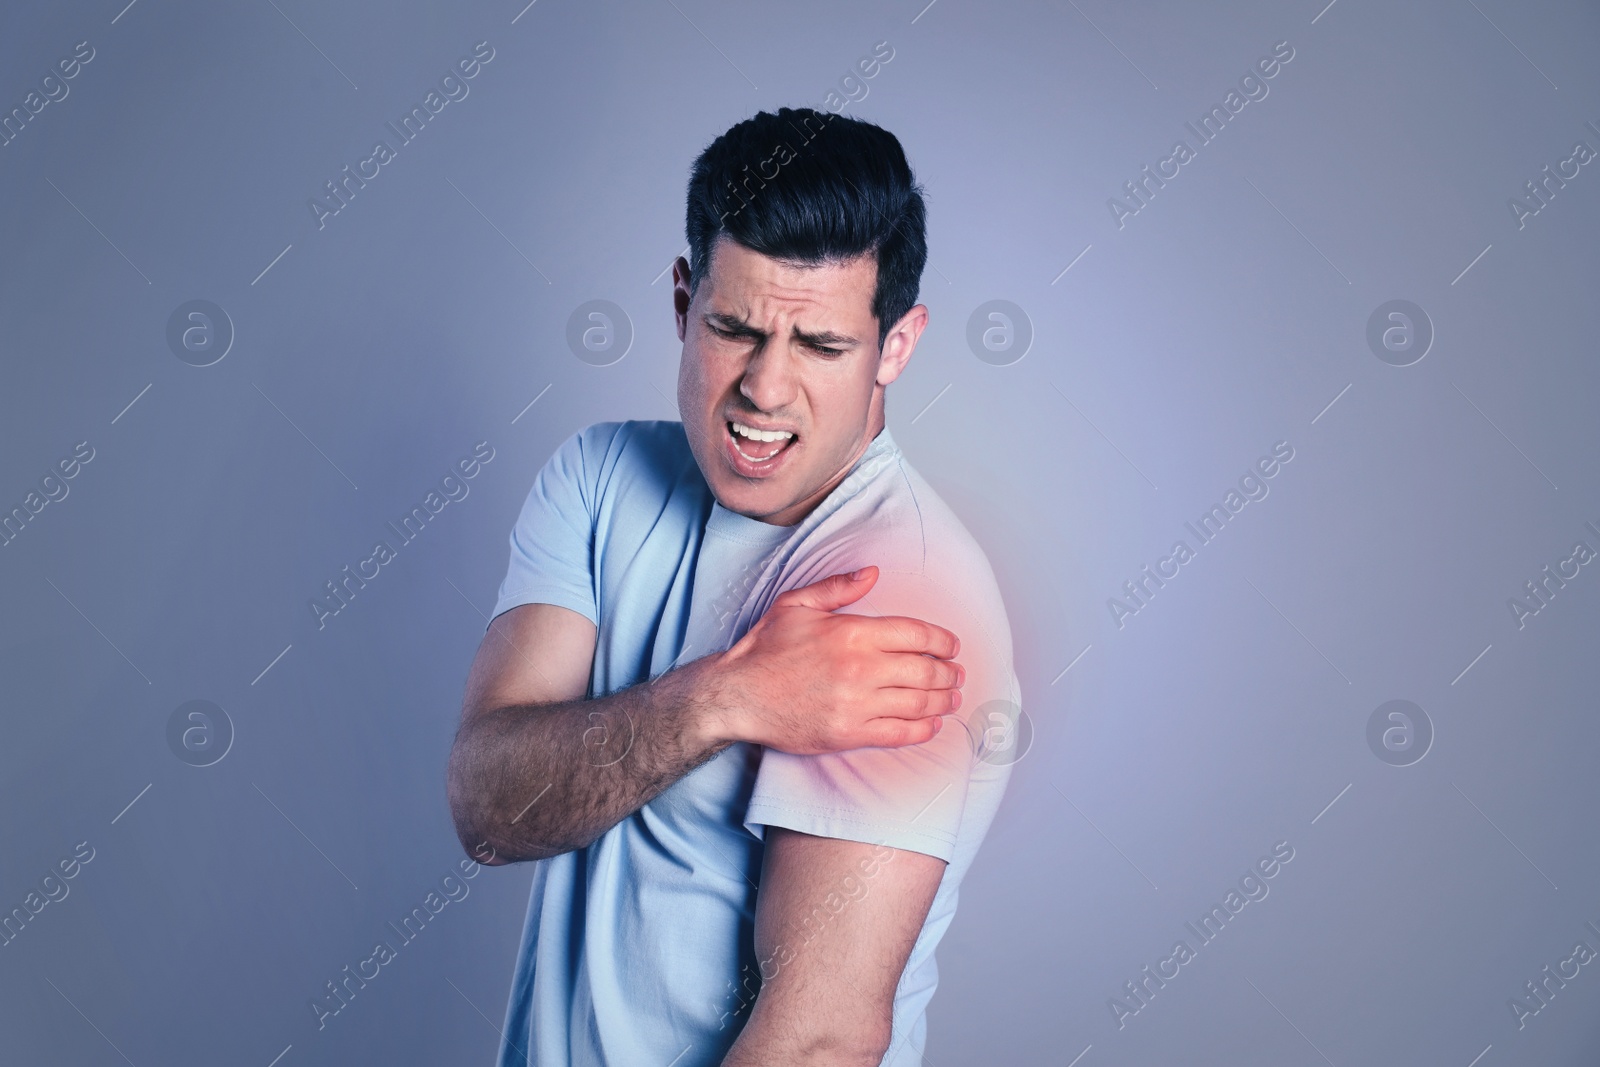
(822,339)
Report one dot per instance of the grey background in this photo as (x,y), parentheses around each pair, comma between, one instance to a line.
(1227,315)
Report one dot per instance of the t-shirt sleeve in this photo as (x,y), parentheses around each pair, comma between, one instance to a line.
(552,543)
(912,797)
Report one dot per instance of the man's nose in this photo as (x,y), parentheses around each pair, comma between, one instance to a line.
(768,381)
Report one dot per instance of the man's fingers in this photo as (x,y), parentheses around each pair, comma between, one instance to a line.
(831,593)
(897,733)
(897,633)
(915,704)
(912,671)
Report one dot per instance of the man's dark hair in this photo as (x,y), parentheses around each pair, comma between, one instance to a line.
(809,187)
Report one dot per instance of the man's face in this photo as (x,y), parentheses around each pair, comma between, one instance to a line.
(773,349)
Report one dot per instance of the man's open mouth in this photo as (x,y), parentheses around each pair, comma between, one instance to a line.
(756,445)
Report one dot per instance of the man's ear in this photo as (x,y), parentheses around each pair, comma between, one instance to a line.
(900,343)
(681,295)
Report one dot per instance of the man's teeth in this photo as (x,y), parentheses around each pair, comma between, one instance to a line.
(781,438)
(760,435)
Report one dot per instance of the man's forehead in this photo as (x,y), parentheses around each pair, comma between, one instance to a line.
(746,283)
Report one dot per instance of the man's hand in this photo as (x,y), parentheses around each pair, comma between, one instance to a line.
(806,681)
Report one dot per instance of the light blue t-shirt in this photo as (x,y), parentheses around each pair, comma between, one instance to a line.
(639,949)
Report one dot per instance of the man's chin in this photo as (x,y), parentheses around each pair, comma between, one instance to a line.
(754,502)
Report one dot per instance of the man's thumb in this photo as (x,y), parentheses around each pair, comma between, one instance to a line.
(835,591)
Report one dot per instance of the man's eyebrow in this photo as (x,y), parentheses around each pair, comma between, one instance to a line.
(821,339)
(825,339)
(734,324)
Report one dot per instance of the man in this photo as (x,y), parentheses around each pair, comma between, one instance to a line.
(713,699)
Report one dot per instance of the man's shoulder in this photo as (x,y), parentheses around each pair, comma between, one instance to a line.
(897,516)
(635,439)
(613,455)
(895,520)
(944,540)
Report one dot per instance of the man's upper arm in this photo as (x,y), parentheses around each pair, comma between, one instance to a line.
(532,654)
(857,844)
(913,797)
(836,921)
(540,645)
(553,539)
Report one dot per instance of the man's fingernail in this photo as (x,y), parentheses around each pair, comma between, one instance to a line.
(938,724)
(855,575)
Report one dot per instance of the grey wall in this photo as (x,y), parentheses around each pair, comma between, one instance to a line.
(1171,348)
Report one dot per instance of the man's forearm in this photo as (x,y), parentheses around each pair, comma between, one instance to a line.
(538,780)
